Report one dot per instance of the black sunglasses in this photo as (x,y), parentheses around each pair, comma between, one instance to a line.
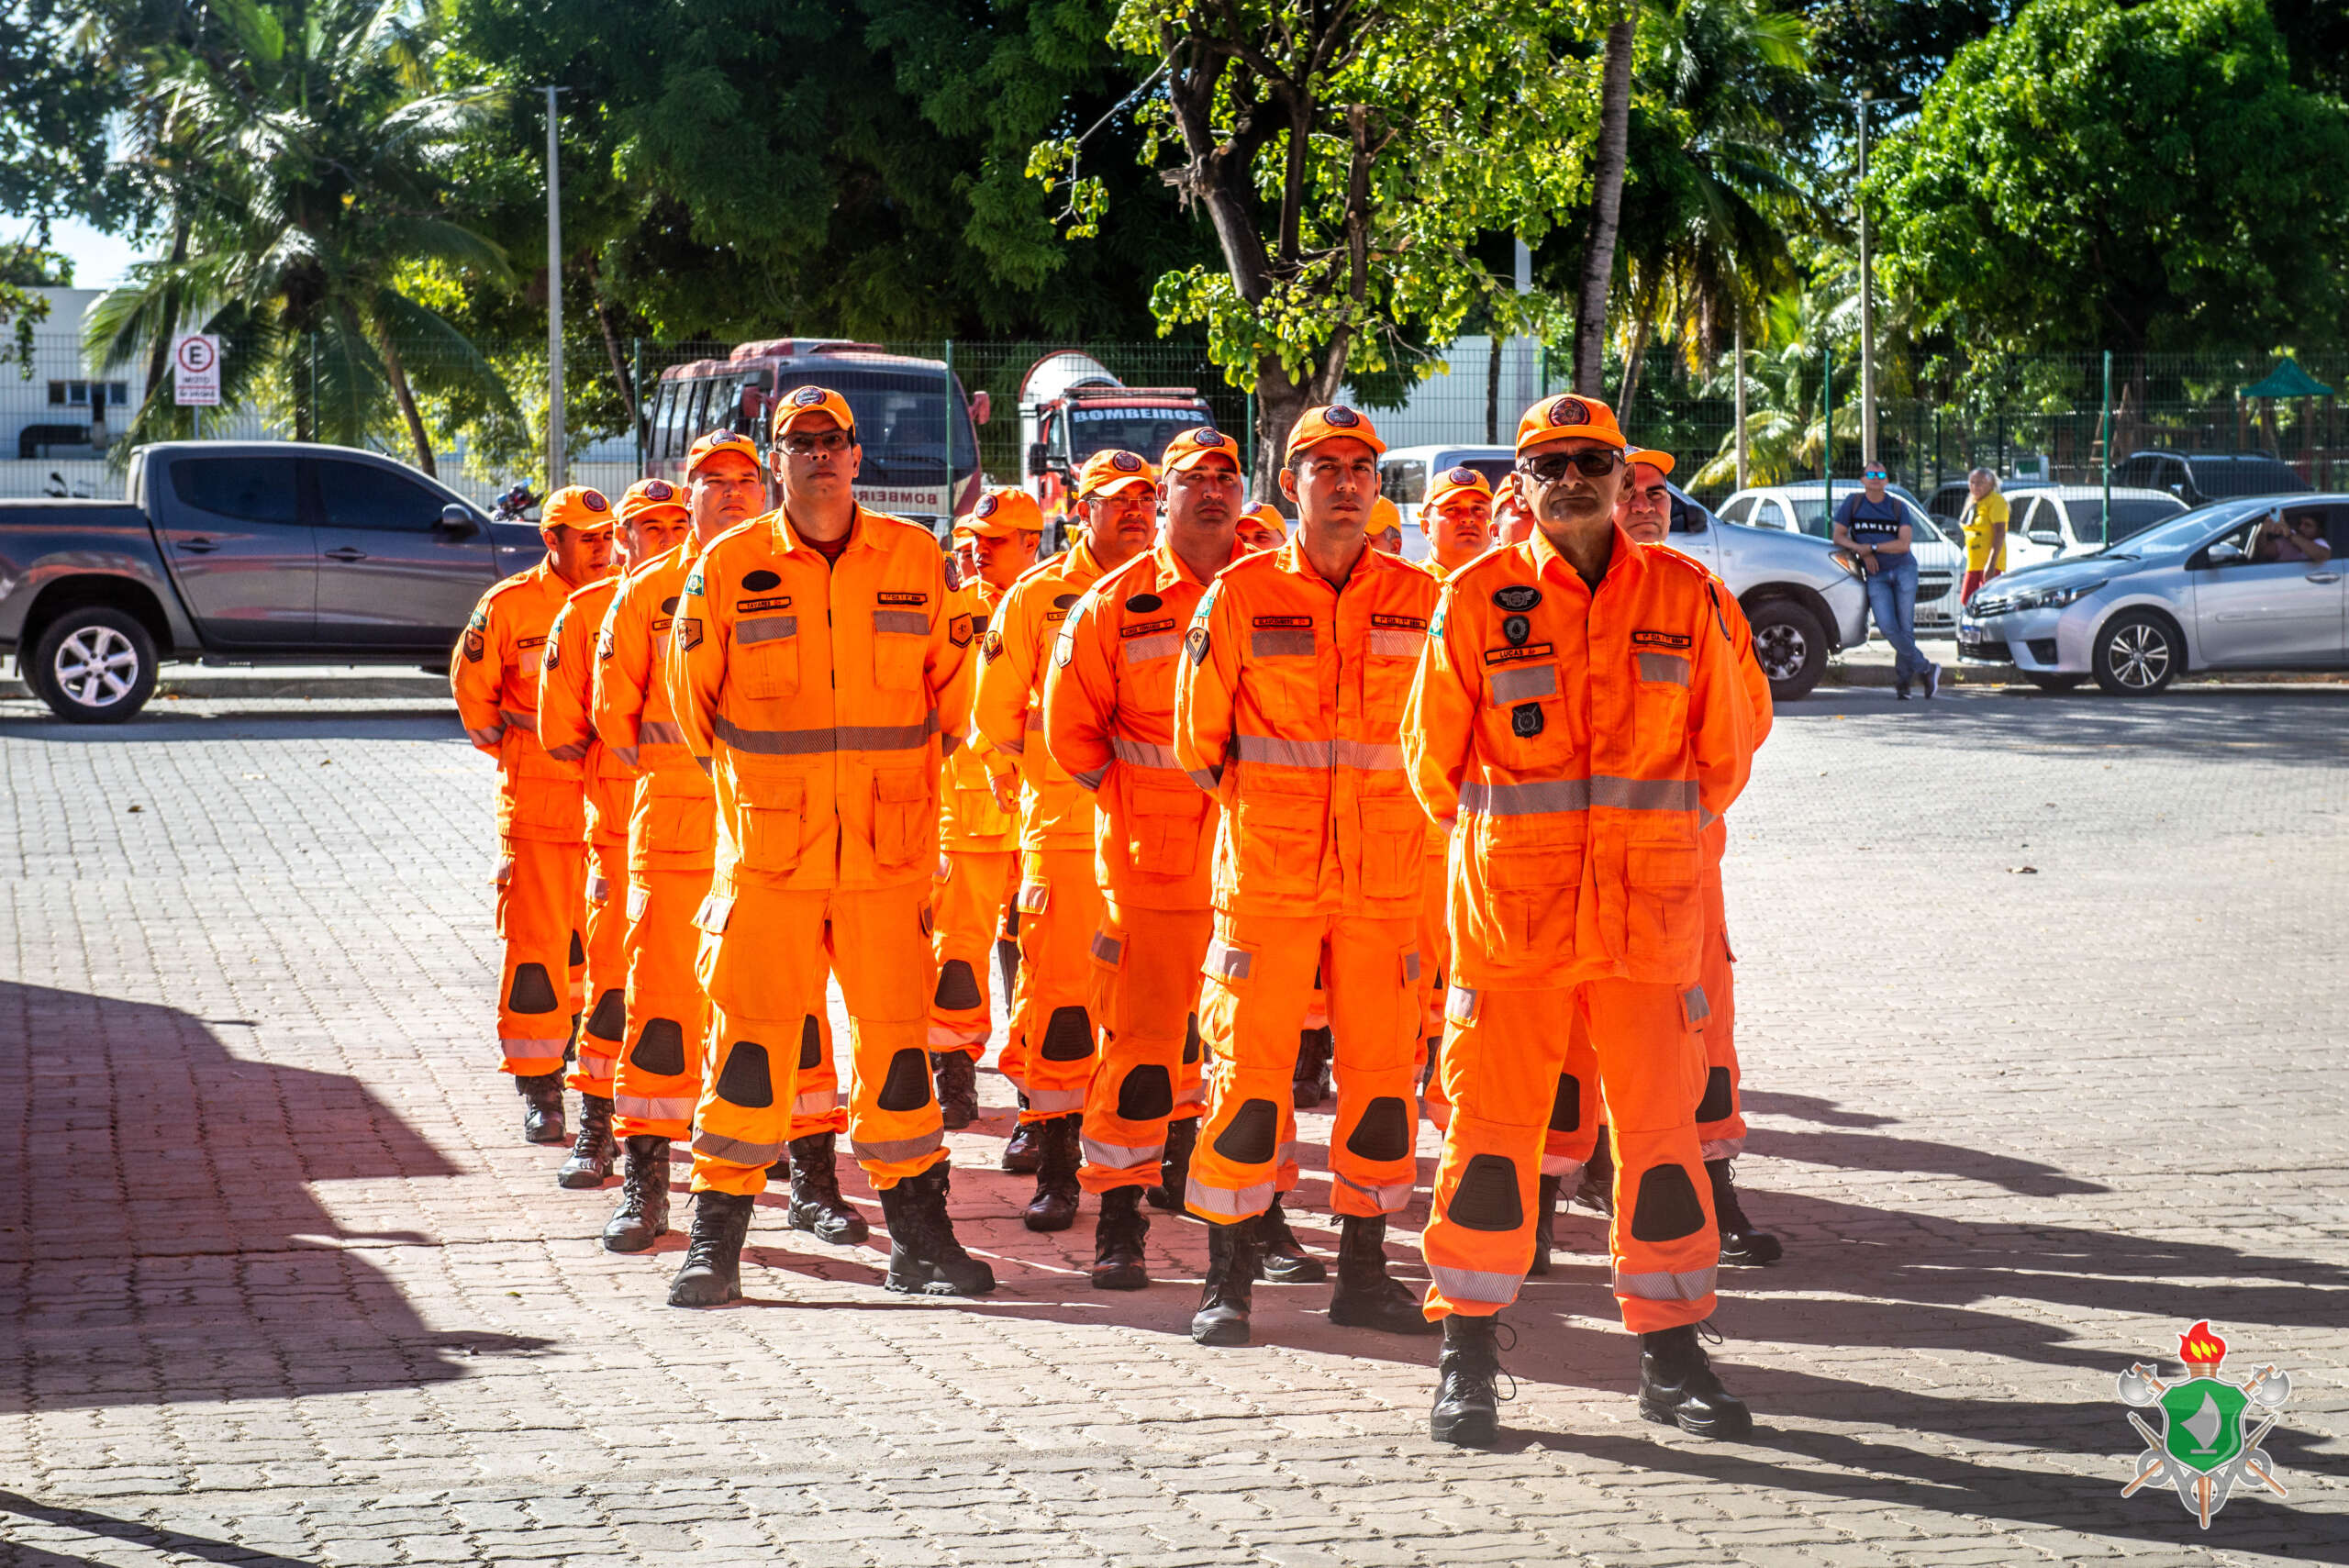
(1596,463)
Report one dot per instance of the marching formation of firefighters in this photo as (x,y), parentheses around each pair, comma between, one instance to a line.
(1237,817)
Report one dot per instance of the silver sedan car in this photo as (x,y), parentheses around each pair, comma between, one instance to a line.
(2215,588)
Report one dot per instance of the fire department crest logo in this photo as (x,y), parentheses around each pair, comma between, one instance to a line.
(985,508)
(807,397)
(658,489)
(2201,1448)
(1340,418)
(1126,462)
(1207,440)
(1570,411)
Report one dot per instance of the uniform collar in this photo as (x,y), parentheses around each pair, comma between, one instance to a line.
(1172,571)
(787,538)
(1548,563)
(1079,558)
(1291,557)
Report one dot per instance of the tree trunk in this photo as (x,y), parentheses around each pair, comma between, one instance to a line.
(407,400)
(1607,207)
(620,377)
(1633,364)
(1493,385)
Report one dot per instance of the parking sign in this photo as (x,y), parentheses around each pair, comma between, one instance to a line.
(195,371)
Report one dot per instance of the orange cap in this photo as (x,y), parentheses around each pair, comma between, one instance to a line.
(1660,461)
(1002,513)
(650,496)
(1187,450)
(1329,423)
(576,507)
(1453,480)
(800,402)
(1556,418)
(1384,514)
(1112,470)
(1268,514)
(717,441)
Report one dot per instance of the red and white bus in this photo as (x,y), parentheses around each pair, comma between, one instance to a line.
(913,419)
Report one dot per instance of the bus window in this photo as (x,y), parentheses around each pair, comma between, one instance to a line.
(673,420)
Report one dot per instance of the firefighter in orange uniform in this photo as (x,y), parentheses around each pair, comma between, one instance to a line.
(1050,1053)
(672,834)
(1110,720)
(494,672)
(816,667)
(1287,704)
(651,519)
(1261,526)
(978,840)
(1578,714)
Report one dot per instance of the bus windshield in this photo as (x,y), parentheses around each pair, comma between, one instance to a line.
(903,421)
(1143,430)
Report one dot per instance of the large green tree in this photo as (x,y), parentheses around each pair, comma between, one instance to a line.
(2135,176)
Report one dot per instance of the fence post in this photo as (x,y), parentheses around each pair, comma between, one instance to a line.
(636,377)
(948,447)
(313,386)
(2107,425)
(1827,430)
(1248,416)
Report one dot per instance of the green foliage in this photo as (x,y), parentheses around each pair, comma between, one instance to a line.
(2145,176)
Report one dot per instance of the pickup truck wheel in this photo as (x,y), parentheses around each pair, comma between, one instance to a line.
(94,665)
(1790,645)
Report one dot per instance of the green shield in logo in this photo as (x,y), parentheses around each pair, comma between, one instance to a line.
(2205,1422)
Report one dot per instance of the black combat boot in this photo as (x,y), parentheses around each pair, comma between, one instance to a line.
(1116,1241)
(815,1201)
(1174,1166)
(1311,1085)
(713,1273)
(958,1088)
(1281,1257)
(1741,1243)
(642,1216)
(1366,1297)
(1679,1388)
(924,1257)
(591,1153)
(541,1107)
(1025,1150)
(1055,1206)
(1222,1317)
(1467,1374)
(1595,1192)
(1546,1214)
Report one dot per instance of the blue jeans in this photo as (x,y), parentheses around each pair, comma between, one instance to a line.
(1892,599)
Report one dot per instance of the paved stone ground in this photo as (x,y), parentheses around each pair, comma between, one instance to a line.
(281,1287)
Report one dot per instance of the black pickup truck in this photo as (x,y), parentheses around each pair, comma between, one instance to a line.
(242,553)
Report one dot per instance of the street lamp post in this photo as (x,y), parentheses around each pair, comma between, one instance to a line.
(555,465)
(1867,297)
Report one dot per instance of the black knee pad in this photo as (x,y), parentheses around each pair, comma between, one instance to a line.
(1191,1042)
(659,1048)
(1069,1036)
(1668,1208)
(957,986)
(532,991)
(907,1088)
(1146,1093)
(811,1045)
(1250,1139)
(746,1080)
(1486,1197)
(1383,1132)
(1719,1098)
(578,950)
(1565,1111)
(610,1020)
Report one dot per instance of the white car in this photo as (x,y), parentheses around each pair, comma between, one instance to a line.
(2058,522)
(1803,509)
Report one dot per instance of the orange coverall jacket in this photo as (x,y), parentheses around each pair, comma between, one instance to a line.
(1757,696)
(970,817)
(566,703)
(816,695)
(494,673)
(1110,720)
(1286,706)
(670,823)
(1054,814)
(1579,741)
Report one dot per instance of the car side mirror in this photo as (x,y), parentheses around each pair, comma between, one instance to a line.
(982,406)
(456,522)
(2226,552)
(1040,457)
(2046,536)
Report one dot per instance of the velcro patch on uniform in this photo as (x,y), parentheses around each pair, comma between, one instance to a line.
(1514,655)
(1144,628)
(902,598)
(669,605)
(958,631)
(1517,596)
(1142,604)
(639,895)
(1659,639)
(713,913)
(1282,621)
(753,606)
(759,582)
(689,632)
(1399,623)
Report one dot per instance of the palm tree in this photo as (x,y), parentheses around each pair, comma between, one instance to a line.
(1784,432)
(314,151)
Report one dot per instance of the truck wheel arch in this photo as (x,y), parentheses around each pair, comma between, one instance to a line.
(127,595)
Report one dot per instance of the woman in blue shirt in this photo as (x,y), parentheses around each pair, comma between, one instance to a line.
(1872,525)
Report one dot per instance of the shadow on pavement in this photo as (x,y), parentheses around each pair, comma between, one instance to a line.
(2304,726)
(160,1241)
(155,1538)
(225,720)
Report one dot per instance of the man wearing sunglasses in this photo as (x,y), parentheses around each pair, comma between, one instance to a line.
(1577,720)
(1875,528)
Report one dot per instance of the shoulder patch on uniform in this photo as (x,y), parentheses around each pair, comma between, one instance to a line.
(992,647)
(693,585)
(958,631)
(689,632)
(554,651)
(1517,596)
(1517,655)
(902,598)
(476,645)
(1196,641)
(1660,639)
(759,582)
(1063,601)
(1517,629)
(1142,604)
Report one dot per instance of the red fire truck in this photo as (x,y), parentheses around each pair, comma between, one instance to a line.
(1070,406)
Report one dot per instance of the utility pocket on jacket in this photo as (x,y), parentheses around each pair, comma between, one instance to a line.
(900,638)
(767,834)
(1532,881)
(903,812)
(1162,827)
(1665,920)
(678,824)
(765,661)
(1280,839)
(1662,707)
(1393,848)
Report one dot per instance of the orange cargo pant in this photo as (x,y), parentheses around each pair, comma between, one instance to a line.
(1503,1053)
(538,887)
(606,1030)
(1050,1053)
(764,952)
(1260,972)
(658,1075)
(1145,994)
(967,910)
(1435,978)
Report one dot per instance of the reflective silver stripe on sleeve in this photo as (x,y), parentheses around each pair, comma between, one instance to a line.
(531,1049)
(1281,642)
(517,720)
(1144,754)
(902,623)
(1396,644)
(1389,1199)
(626,754)
(1663,1285)
(1484,1286)
(895,1149)
(1569,1170)
(736,1151)
(816,1101)
(488,735)
(1669,667)
(1106,948)
(1535,797)
(1208,781)
(1713,1149)
(660,732)
(1706,819)
(1014,748)
(765,629)
(1643,795)
(1158,645)
(1091,778)
(816,742)
(1280,752)
(1524,683)
(1240,1205)
(1224,962)
(1119,1157)
(678,1109)
(1196,1094)
(1693,1003)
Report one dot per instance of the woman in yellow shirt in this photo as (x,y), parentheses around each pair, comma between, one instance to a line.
(1986,533)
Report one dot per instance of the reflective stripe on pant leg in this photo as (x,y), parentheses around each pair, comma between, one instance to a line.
(1259,971)
(537,896)
(1056,932)
(1146,985)
(1502,1055)
(1663,1245)
(605,1026)
(966,906)
(658,1079)
(1374,981)
(882,955)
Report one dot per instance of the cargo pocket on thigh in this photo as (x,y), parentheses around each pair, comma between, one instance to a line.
(904,812)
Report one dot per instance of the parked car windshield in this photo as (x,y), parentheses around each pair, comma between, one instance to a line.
(2245,476)
(2189,528)
(2130,516)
